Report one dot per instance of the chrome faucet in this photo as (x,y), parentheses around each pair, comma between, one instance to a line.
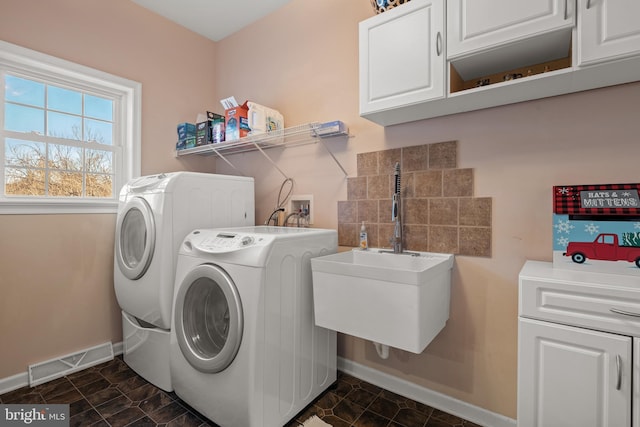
(396,214)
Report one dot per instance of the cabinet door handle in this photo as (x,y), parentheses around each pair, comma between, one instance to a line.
(619,369)
(623,312)
(439,44)
(588,4)
(566,6)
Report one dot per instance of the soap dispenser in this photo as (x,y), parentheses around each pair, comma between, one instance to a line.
(364,243)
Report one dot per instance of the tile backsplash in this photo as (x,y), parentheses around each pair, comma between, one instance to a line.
(440,212)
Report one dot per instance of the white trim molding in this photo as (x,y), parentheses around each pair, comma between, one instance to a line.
(424,395)
(127,95)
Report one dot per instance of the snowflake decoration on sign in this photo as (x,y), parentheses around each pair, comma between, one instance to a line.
(563,241)
(564,226)
(564,191)
(591,229)
(636,225)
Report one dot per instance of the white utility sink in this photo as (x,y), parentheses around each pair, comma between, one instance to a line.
(399,300)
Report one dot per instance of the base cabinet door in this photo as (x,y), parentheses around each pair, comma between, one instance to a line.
(608,30)
(402,56)
(573,377)
(475,25)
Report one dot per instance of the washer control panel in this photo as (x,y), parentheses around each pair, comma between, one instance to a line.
(225,241)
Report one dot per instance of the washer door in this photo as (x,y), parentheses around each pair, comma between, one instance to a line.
(209,318)
(135,238)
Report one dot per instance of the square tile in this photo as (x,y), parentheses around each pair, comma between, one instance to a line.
(415,158)
(475,241)
(443,239)
(379,187)
(357,188)
(457,183)
(428,184)
(443,155)
(367,164)
(475,211)
(443,211)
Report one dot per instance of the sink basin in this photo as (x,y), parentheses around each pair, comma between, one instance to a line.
(399,300)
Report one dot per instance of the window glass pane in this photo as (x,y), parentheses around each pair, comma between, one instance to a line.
(64,126)
(23,119)
(99,161)
(65,184)
(99,185)
(24,182)
(68,101)
(97,131)
(65,157)
(23,91)
(98,108)
(25,154)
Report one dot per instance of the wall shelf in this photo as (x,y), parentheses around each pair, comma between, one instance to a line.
(309,133)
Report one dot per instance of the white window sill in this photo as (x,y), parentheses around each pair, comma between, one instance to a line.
(57,207)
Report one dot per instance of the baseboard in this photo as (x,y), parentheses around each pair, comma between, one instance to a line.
(20,380)
(424,395)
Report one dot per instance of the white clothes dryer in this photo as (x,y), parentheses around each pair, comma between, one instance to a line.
(155,213)
(245,351)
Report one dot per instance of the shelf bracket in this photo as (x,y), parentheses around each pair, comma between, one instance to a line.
(228,162)
(346,175)
(270,160)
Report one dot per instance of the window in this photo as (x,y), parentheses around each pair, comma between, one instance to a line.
(69,135)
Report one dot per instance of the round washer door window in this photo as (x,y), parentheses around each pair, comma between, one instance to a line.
(135,238)
(209,318)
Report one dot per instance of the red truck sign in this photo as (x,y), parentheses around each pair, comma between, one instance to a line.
(604,247)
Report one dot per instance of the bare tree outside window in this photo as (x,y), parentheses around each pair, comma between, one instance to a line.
(38,169)
(66,159)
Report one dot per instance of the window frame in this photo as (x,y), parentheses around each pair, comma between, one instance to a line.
(127,114)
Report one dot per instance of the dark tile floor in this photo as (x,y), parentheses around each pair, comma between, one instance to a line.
(111,394)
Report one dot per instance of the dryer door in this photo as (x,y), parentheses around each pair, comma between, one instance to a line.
(135,238)
(208,318)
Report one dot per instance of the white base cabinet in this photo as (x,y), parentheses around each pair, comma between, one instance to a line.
(572,377)
(578,348)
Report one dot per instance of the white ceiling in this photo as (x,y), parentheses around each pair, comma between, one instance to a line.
(214,19)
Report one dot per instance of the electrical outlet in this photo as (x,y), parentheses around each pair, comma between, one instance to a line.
(302,202)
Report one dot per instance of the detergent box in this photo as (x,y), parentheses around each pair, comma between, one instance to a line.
(263,119)
(188,142)
(236,119)
(186,130)
(209,131)
(596,228)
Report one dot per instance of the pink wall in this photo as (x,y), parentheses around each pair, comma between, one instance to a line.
(56,271)
(305,63)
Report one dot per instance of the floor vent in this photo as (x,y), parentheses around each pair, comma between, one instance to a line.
(65,365)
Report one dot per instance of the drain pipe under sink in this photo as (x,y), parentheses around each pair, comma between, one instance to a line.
(382,349)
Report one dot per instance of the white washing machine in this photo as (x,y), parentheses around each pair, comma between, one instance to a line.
(155,213)
(245,350)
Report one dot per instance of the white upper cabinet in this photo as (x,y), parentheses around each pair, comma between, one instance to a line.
(402,56)
(607,30)
(430,58)
(476,25)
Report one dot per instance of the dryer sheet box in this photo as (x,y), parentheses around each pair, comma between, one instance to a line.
(596,228)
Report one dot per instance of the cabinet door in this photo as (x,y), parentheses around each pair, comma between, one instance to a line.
(402,56)
(572,377)
(474,25)
(608,30)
